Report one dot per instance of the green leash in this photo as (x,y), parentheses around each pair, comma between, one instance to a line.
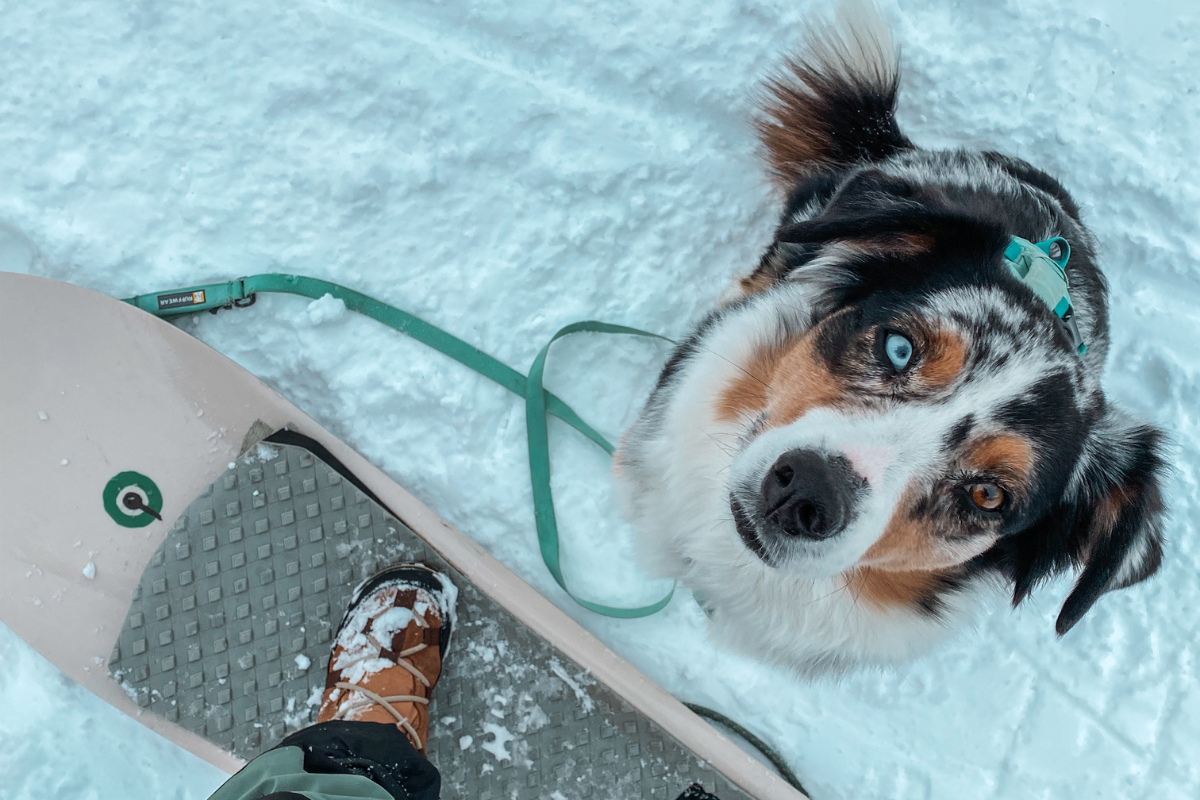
(538,402)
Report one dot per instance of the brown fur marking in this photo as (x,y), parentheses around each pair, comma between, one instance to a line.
(886,589)
(800,383)
(747,394)
(790,127)
(943,360)
(774,266)
(758,281)
(1005,454)
(1108,510)
(912,544)
(893,244)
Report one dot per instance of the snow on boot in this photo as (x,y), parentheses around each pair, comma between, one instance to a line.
(389,649)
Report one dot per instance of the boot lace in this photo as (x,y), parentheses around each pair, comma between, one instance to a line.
(385,702)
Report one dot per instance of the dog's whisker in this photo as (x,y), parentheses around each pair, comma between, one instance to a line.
(735,365)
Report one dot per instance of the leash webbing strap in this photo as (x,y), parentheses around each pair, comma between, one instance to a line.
(538,401)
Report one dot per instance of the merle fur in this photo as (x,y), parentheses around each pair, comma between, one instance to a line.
(868,179)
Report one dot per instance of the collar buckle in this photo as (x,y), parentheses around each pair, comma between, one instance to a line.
(1042,267)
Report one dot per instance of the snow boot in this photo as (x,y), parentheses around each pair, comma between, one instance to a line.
(389,649)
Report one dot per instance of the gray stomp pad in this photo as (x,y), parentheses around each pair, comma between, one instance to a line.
(231,626)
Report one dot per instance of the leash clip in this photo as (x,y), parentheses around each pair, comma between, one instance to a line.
(237,302)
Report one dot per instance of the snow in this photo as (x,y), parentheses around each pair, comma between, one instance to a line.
(502,169)
(326,308)
(575,685)
(303,662)
(265,452)
(497,746)
(89,570)
(391,622)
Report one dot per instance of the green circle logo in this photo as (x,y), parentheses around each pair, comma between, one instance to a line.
(133,500)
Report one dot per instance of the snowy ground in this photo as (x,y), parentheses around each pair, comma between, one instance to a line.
(506,168)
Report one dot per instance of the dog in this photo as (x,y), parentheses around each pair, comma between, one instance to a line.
(889,418)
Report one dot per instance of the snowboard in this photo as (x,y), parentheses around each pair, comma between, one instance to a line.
(182,541)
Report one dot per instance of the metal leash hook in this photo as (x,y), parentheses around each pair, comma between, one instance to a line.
(244,302)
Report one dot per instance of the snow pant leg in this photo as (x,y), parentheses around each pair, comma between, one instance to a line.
(371,749)
(337,761)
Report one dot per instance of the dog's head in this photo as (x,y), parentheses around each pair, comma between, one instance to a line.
(933,418)
(885,398)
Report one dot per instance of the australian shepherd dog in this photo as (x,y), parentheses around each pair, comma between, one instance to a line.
(900,407)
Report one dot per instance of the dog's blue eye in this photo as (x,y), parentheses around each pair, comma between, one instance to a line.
(899,351)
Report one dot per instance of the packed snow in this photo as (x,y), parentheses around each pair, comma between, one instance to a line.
(326,309)
(497,746)
(502,169)
(575,684)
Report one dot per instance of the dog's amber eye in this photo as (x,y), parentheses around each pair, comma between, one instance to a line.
(987,496)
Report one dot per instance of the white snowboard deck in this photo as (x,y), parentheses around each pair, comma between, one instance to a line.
(91,387)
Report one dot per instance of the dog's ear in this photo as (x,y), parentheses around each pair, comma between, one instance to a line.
(833,104)
(1115,517)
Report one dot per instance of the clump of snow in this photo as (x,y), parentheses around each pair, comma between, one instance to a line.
(65,461)
(303,661)
(326,308)
(485,653)
(89,570)
(533,718)
(129,689)
(391,622)
(43,416)
(465,742)
(574,683)
(266,452)
(450,601)
(298,714)
(498,744)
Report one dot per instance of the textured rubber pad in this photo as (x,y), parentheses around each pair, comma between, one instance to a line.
(231,626)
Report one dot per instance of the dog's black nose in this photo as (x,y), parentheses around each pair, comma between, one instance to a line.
(808,494)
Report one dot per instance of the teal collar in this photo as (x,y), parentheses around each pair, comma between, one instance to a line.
(1043,270)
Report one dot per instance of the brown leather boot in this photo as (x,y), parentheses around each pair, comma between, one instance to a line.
(388,652)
